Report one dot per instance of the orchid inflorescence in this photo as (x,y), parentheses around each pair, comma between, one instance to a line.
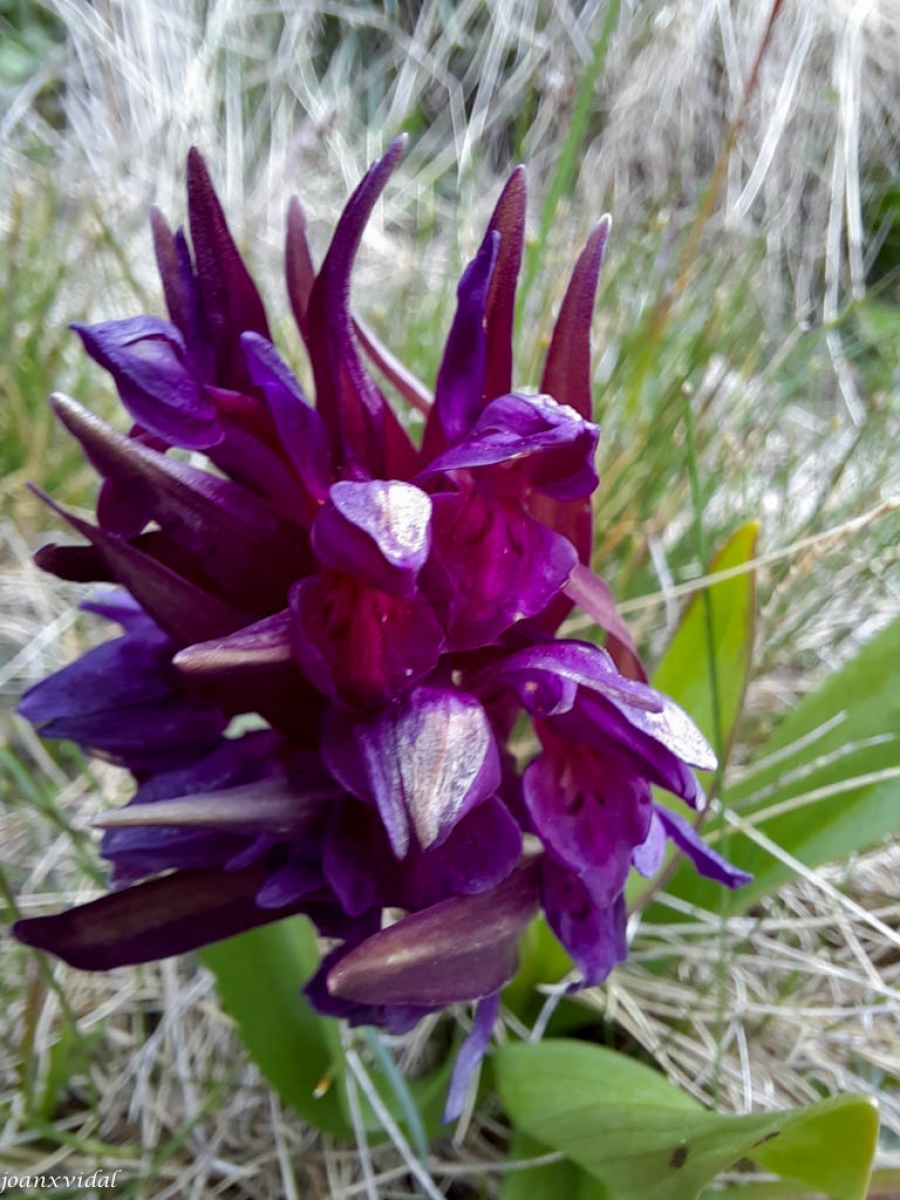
(390,613)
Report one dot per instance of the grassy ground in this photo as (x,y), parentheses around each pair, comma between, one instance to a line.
(759,282)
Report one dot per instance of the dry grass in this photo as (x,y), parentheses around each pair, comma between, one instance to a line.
(798,427)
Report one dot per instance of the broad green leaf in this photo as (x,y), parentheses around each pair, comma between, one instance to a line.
(683,673)
(260,975)
(646,1140)
(826,784)
(553,1181)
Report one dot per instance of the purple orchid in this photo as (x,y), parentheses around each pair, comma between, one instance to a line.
(388,610)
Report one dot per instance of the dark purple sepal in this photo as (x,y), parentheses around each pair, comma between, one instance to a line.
(230,303)
(470,1055)
(378,531)
(250,551)
(364,429)
(590,812)
(505,565)
(423,763)
(538,444)
(361,645)
(77,564)
(170,265)
(481,850)
(567,369)
(507,219)
(147,359)
(396,1018)
(594,597)
(156,919)
(459,391)
(706,860)
(462,949)
(300,428)
(187,612)
(592,934)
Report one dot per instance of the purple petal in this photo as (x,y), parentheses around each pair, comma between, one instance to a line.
(359,644)
(567,371)
(300,428)
(470,1055)
(152,920)
(424,763)
(505,566)
(170,266)
(147,359)
(464,948)
(379,532)
(482,849)
(460,382)
(231,304)
(590,812)
(540,444)
(594,935)
(595,721)
(706,860)
(508,220)
(649,856)
(648,711)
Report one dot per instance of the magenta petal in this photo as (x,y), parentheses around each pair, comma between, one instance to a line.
(359,644)
(460,382)
(567,372)
(590,812)
(542,444)
(147,359)
(505,565)
(165,916)
(300,428)
(461,949)
(706,860)
(593,595)
(377,531)
(649,856)
(424,763)
(470,1055)
(231,304)
(593,934)
(482,849)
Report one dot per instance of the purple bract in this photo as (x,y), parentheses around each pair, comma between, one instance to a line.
(388,610)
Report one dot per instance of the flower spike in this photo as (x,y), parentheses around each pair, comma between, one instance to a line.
(330,639)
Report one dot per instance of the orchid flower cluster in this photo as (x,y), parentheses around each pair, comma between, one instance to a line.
(388,614)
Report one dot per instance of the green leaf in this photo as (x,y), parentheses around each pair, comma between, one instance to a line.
(827,783)
(728,614)
(646,1140)
(683,672)
(260,975)
(553,1181)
